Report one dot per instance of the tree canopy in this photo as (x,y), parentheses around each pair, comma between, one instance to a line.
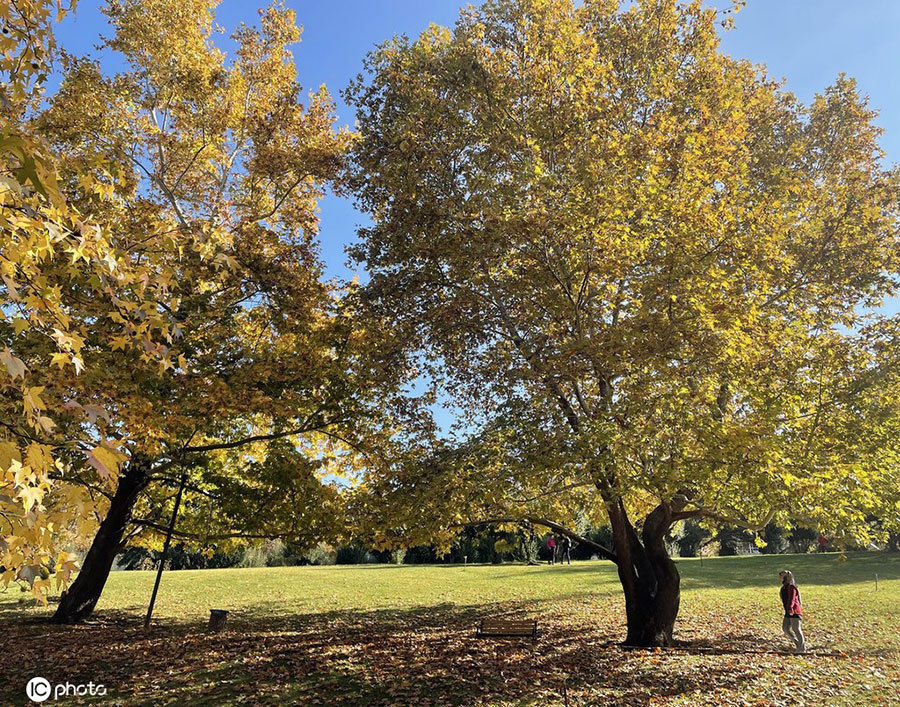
(651,268)
(164,308)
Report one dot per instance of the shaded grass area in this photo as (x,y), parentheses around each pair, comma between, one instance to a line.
(404,635)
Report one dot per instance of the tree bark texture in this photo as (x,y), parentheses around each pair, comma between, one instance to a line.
(79,601)
(649,577)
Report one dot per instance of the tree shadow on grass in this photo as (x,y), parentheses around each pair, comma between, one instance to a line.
(15,608)
(383,656)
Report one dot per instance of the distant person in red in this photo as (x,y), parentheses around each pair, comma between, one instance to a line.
(823,542)
(551,546)
(793,611)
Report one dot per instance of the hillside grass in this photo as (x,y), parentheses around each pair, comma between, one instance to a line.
(381,634)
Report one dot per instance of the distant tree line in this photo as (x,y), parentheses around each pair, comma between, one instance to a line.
(482,546)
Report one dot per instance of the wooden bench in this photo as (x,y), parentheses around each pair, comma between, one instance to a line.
(507,628)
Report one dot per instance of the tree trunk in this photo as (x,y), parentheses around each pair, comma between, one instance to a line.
(651,610)
(79,601)
(649,577)
(893,542)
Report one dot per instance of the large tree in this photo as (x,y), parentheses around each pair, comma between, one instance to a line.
(175,319)
(652,269)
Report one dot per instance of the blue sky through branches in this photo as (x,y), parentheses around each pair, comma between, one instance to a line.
(806,42)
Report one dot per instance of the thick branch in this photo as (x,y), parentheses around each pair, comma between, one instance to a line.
(255,438)
(197,536)
(603,551)
(734,521)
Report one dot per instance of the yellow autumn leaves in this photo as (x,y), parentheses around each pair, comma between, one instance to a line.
(29,547)
(642,256)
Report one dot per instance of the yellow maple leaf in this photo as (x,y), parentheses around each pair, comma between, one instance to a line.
(15,366)
(106,461)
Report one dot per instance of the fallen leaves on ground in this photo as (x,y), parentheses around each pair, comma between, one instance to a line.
(429,655)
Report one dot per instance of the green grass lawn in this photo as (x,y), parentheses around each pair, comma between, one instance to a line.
(382,634)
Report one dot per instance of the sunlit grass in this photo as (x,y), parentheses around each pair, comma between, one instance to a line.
(349,631)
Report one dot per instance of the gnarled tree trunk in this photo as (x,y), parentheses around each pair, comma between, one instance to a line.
(79,601)
(651,607)
(649,577)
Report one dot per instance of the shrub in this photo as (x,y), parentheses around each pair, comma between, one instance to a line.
(420,555)
(734,541)
(803,539)
(351,555)
(691,539)
(321,554)
(776,540)
(264,554)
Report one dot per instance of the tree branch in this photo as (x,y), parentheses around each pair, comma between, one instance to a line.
(735,521)
(197,536)
(254,438)
(603,551)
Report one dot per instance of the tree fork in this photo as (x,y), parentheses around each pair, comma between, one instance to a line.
(649,577)
(79,601)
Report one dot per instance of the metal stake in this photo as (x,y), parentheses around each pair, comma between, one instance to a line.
(165,552)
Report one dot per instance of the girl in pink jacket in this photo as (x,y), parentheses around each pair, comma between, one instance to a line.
(793,610)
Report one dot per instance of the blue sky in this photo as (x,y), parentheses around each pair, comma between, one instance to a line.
(806,42)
